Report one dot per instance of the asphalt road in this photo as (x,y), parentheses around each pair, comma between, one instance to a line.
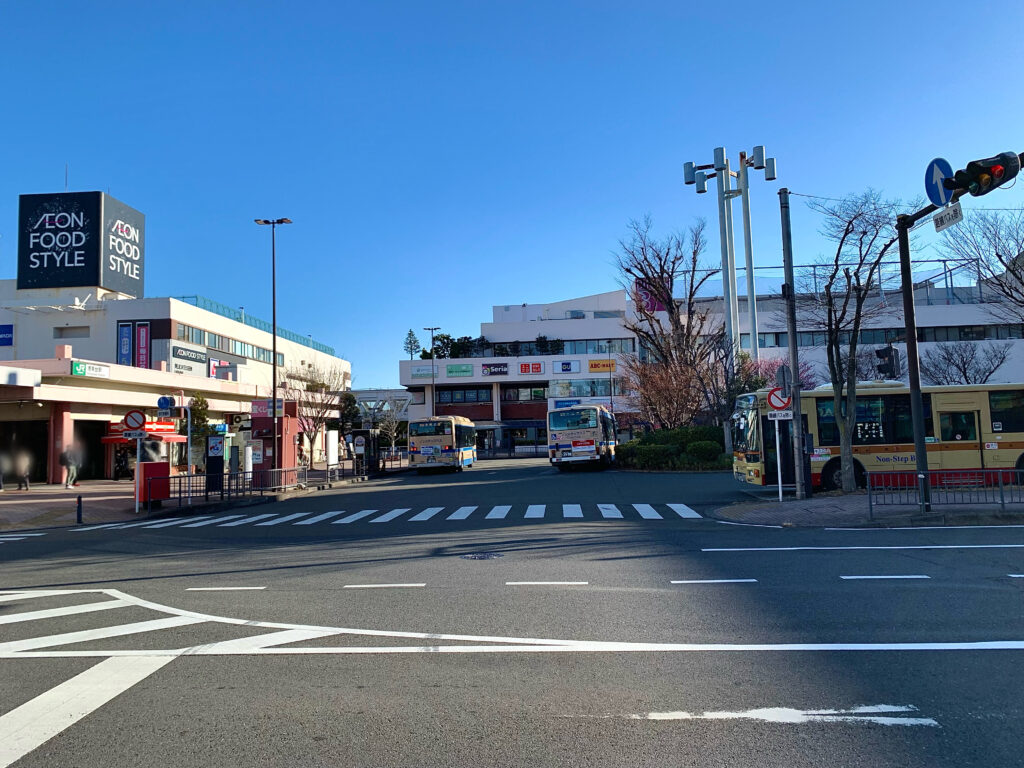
(510,615)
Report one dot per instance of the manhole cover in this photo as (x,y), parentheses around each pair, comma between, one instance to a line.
(482,556)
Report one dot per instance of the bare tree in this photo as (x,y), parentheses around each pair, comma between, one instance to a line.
(665,395)
(388,421)
(991,245)
(963,362)
(862,229)
(317,391)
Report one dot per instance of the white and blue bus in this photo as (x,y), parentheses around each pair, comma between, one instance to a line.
(581,434)
(442,442)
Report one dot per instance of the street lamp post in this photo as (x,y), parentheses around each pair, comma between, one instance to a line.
(433,369)
(272,223)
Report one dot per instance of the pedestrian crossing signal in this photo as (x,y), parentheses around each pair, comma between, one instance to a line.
(889,367)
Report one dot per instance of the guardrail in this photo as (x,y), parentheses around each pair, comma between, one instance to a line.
(185,490)
(938,487)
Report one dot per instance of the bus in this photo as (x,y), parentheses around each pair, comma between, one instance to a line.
(979,426)
(581,434)
(442,442)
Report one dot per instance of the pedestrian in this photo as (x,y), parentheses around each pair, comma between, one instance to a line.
(121,464)
(22,467)
(72,460)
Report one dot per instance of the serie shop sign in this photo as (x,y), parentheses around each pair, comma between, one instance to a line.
(494,369)
(70,239)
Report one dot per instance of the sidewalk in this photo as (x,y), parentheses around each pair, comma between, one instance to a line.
(835,509)
(103,501)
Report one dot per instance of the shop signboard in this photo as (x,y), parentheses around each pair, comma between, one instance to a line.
(494,369)
(7,335)
(93,370)
(124,343)
(461,369)
(602,366)
(565,366)
(215,446)
(142,340)
(70,239)
(257,451)
(187,359)
(261,408)
(530,369)
(566,403)
(422,371)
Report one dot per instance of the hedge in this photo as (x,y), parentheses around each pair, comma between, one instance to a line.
(638,454)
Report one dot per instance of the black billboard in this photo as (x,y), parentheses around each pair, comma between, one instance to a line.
(89,239)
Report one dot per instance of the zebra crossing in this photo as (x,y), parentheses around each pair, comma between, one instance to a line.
(11,538)
(410,515)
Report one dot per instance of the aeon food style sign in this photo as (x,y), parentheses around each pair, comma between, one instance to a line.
(86,239)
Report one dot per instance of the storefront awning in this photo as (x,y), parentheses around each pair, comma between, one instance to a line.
(160,437)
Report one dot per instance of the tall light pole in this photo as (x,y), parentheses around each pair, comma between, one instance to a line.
(272,223)
(433,368)
(697,174)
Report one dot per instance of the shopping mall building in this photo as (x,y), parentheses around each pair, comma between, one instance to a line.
(80,344)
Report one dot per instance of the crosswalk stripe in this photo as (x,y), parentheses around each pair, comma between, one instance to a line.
(389,516)
(96,527)
(15,596)
(682,510)
(245,520)
(647,512)
(148,522)
(174,521)
(4,539)
(102,633)
(283,519)
(19,535)
(497,513)
(534,511)
(67,610)
(426,514)
(461,513)
(610,511)
(353,517)
(572,510)
(211,521)
(318,518)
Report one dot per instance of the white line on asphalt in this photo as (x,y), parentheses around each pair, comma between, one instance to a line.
(610,511)
(174,521)
(102,633)
(461,513)
(426,514)
(683,511)
(869,714)
(546,583)
(283,519)
(20,535)
(221,589)
(381,586)
(257,642)
(572,510)
(10,597)
(67,610)
(647,512)
(318,518)
(148,522)
(927,528)
(915,546)
(39,720)
(1016,575)
(389,516)
(911,576)
(211,522)
(355,516)
(748,525)
(497,513)
(246,520)
(715,581)
(534,511)
(96,527)
(4,539)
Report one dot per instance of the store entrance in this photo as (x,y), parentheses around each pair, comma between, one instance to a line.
(94,452)
(29,436)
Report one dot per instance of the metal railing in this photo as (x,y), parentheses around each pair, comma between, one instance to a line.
(192,489)
(937,487)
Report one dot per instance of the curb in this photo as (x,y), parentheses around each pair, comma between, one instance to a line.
(935,519)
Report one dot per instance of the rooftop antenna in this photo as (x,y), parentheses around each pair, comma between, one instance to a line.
(65,177)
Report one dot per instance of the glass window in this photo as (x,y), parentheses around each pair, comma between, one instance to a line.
(524,394)
(1007,409)
(744,341)
(972,333)
(483,395)
(576,418)
(828,432)
(869,427)
(591,346)
(459,396)
(444,396)
(957,425)
(429,428)
(471,395)
(538,393)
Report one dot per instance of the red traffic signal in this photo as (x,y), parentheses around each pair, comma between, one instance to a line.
(982,176)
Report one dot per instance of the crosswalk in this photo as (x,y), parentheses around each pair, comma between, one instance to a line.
(411,515)
(11,538)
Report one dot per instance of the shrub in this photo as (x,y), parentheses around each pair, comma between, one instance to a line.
(706,433)
(705,450)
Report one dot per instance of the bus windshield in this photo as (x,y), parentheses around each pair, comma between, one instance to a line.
(584,418)
(429,428)
(744,425)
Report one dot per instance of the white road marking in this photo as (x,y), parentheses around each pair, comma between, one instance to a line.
(870,714)
(86,635)
(174,521)
(389,516)
(39,720)
(913,576)
(319,518)
(426,514)
(916,546)
(147,522)
(5,539)
(714,581)
(927,528)
(257,642)
(221,589)
(497,513)
(572,510)
(534,511)
(67,610)
(354,516)
(683,511)
(1016,575)
(546,583)
(748,525)
(19,535)
(9,597)
(382,586)
(211,521)
(283,519)
(96,527)
(610,511)
(246,520)
(461,513)
(647,512)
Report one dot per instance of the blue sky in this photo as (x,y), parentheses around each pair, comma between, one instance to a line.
(438,158)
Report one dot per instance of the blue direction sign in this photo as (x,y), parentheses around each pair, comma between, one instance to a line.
(938,169)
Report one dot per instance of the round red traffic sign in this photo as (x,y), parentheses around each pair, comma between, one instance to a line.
(134,419)
(776,401)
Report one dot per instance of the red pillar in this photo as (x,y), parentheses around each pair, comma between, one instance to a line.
(61,434)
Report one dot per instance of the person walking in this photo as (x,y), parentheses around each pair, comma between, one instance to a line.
(72,460)
(22,468)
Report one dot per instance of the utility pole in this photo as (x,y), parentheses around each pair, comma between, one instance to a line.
(789,293)
(433,367)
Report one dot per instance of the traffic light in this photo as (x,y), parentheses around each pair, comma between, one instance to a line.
(889,367)
(982,176)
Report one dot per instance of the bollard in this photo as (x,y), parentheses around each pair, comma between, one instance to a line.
(78,512)
(921,491)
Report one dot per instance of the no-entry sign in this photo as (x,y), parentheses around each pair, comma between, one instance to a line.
(776,401)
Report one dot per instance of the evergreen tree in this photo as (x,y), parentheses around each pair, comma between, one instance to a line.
(412,344)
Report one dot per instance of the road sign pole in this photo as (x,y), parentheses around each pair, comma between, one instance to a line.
(794,360)
(138,480)
(778,460)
